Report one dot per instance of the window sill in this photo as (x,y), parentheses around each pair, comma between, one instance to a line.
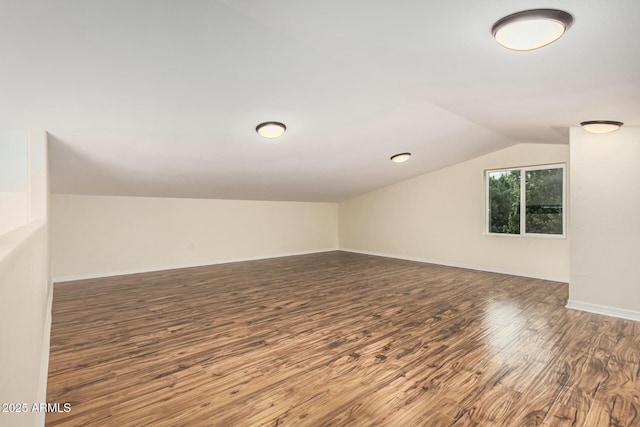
(543,236)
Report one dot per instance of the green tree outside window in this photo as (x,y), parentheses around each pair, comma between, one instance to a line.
(543,201)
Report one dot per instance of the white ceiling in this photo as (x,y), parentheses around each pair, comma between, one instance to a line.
(161,97)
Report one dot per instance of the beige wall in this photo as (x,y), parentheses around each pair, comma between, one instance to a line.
(440,216)
(13,210)
(99,235)
(25,295)
(605,222)
(25,309)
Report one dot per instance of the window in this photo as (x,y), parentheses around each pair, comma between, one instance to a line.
(526,201)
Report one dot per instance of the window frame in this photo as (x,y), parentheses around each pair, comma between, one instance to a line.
(523,200)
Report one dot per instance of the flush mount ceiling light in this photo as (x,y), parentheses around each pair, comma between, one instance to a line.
(271,130)
(531,29)
(601,126)
(400,157)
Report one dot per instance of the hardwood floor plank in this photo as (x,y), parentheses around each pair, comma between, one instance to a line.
(336,339)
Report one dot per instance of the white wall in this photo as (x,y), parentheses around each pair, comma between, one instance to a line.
(25,295)
(439,217)
(99,235)
(38,187)
(14,178)
(605,222)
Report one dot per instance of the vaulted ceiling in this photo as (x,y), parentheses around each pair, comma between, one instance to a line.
(162,97)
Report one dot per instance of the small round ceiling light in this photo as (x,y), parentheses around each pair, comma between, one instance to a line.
(400,157)
(531,29)
(271,130)
(601,126)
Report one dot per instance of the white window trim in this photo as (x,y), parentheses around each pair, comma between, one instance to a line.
(523,201)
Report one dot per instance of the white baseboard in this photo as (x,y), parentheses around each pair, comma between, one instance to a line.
(73,278)
(605,310)
(461,265)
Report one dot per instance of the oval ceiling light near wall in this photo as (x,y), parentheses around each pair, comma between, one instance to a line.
(601,126)
(271,130)
(531,29)
(400,157)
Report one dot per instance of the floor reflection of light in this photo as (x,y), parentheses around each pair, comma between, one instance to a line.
(503,321)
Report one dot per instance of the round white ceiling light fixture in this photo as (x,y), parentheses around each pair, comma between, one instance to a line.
(531,29)
(271,130)
(400,157)
(601,126)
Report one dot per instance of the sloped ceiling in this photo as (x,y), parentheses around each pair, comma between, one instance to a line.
(161,98)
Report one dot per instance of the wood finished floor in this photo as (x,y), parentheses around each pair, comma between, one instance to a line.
(336,339)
